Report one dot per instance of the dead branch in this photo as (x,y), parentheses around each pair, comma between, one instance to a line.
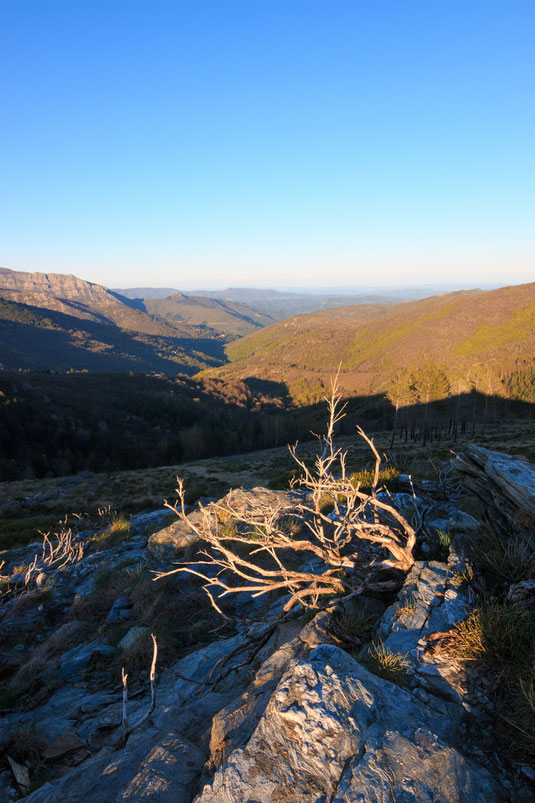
(66,549)
(127,729)
(361,537)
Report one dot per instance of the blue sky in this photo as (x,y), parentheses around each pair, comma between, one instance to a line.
(269,142)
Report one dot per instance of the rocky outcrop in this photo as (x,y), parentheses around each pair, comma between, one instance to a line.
(170,542)
(76,297)
(429,602)
(269,713)
(332,731)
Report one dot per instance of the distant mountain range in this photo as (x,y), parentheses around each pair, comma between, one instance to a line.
(476,338)
(274,304)
(60,322)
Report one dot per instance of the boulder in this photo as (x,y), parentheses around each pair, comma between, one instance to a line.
(329,727)
(75,661)
(169,543)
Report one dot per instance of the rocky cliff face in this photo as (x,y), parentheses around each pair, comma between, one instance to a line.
(290,712)
(81,299)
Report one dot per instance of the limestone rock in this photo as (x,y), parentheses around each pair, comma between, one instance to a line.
(169,543)
(329,726)
(426,604)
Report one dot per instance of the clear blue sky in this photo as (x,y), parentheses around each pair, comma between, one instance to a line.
(269,142)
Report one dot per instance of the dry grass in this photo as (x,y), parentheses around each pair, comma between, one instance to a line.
(406,608)
(29,676)
(521,719)
(501,639)
(504,560)
(363,479)
(69,635)
(117,531)
(390,665)
(462,577)
(500,636)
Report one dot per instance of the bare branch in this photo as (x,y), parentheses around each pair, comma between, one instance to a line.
(247,542)
(127,729)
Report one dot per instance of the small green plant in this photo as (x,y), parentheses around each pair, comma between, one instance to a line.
(439,542)
(387,664)
(463,577)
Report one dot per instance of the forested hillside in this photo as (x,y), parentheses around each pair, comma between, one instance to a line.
(414,351)
(232,319)
(36,338)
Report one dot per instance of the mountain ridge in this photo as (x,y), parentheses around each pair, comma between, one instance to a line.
(476,337)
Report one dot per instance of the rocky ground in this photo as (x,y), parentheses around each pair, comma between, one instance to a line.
(361,702)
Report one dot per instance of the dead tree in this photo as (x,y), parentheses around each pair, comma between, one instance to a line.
(127,729)
(361,539)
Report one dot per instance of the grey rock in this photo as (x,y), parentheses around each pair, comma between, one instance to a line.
(150,767)
(169,543)
(328,724)
(132,636)
(148,522)
(435,608)
(503,482)
(75,661)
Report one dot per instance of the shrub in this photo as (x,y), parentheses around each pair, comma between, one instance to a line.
(406,608)
(365,533)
